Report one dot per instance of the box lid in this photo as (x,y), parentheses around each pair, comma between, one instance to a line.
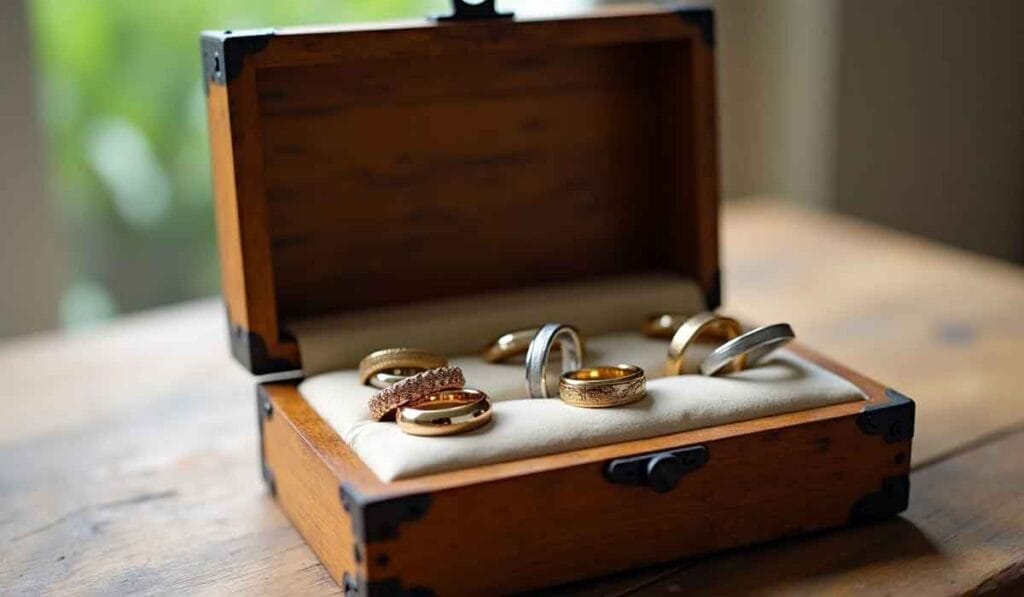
(366,166)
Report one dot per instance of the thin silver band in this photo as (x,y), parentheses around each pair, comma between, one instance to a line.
(755,344)
(540,348)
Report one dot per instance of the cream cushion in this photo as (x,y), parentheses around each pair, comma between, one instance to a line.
(523,427)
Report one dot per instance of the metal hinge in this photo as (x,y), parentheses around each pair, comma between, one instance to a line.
(473,11)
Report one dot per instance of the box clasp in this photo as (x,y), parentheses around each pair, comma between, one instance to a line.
(661,471)
(463,10)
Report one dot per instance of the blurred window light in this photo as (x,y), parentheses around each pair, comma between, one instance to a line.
(85,302)
(122,158)
(123,111)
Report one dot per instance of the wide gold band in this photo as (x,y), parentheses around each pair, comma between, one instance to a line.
(603,387)
(414,389)
(398,359)
(445,413)
(695,328)
(514,344)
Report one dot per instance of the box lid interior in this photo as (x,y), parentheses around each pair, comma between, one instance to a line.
(361,167)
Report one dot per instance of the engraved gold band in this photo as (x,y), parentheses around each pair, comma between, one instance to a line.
(701,325)
(514,344)
(603,387)
(397,359)
(445,413)
(414,388)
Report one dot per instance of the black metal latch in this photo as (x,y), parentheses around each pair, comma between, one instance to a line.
(464,10)
(661,471)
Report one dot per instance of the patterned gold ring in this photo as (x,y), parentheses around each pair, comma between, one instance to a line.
(395,360)
(603,386)
(414,388)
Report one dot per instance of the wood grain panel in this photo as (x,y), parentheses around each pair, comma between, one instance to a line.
(539,165)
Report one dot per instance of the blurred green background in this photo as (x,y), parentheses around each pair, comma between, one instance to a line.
(125,126)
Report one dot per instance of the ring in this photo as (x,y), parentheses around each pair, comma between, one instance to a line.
(702,324)
(602,387)
(663,325)
(514,344)
(540,349)
(397,359)
(414,388)
(446,413)
(383,379)
(752,346)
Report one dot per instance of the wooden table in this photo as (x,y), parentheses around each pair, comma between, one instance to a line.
(128,453)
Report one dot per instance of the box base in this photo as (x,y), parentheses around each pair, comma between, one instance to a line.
(541,521)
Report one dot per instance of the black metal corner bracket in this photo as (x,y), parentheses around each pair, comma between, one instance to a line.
(264,411)
(703,18)
(379,519)
(890,500)
(478,11)
(894,420)
(224,52)
(661,471)
(250,349)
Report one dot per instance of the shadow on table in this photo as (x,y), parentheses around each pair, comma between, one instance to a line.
(815,562)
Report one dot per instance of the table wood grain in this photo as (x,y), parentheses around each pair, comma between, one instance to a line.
(128,459)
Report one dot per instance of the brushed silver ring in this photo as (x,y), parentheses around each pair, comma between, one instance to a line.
(755,345)
(540,349)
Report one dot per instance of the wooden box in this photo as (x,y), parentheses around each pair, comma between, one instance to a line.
(384,165)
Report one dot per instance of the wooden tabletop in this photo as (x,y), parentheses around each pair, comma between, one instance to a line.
(128,458)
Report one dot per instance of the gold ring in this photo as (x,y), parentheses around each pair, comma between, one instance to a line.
(701,325)
(446,413)
(514,344)
(398,359)
(413,389)
(603,386)
(383,379)
(663,325)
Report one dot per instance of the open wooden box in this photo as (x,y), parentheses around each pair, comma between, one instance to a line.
(361,167)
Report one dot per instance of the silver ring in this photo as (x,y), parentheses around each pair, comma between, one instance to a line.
(755,345)
(540,348)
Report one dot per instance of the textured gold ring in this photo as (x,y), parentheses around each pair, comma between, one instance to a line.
(397,360)
(699,326)
(414,388)
(445,413)
(603,386)
(514,344)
